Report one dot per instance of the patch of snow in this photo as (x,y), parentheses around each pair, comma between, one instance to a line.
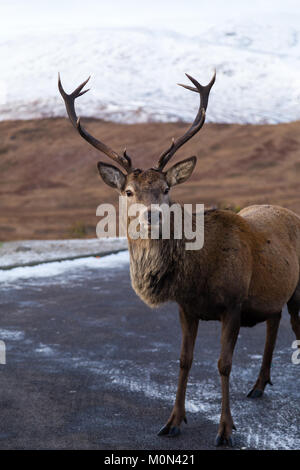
(59,267)
(11,335)
(22,253)
(45,350)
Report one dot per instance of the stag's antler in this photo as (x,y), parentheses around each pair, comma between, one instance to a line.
(69,100)
(197,124)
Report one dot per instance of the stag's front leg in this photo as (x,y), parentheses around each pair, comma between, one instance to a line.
(189,328)
(230,331)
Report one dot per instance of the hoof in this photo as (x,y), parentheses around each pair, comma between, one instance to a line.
(220,440)
(169,431)
(174,431)
(258,392)
(163,431)
(255,393)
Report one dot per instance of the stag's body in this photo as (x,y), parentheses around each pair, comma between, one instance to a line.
(251,259)
(248,268)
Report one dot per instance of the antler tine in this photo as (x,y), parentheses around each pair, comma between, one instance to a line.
(202,90)
(197,123)
(127,157)
(69,100)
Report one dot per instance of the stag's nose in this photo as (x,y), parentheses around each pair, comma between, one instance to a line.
(153,217)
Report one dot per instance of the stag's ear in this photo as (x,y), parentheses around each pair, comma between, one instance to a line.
(181,171)
(112,176)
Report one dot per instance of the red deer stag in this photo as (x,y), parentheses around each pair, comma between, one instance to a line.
(247,270)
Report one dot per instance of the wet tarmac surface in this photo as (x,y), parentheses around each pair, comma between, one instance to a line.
(89,366)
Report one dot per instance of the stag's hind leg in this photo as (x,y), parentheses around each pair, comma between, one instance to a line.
(264,376)
(189,328)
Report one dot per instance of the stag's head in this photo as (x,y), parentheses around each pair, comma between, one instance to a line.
(149,186)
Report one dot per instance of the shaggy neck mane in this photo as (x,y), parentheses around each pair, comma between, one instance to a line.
(154,268)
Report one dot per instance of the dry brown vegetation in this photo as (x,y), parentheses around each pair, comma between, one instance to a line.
(50,187)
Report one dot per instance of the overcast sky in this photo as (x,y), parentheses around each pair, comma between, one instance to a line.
(185,16)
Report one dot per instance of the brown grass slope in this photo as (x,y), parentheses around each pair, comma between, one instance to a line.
(50,188)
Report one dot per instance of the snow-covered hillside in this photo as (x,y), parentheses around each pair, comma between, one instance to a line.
(135,71)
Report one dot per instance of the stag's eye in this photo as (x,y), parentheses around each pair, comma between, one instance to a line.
(166,190)
(129,193)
